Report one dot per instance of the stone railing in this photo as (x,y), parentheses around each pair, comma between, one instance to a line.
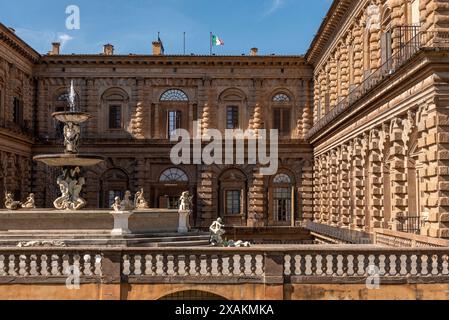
(296,264)
(329,234)
(406,240)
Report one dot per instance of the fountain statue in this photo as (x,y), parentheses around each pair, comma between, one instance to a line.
(70,182)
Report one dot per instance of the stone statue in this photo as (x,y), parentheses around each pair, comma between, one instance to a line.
(117,205)
(185,202)
(30,203)
(217,232)
(10,204)
(70,184)
(139,201)
(71,137)
(127,204)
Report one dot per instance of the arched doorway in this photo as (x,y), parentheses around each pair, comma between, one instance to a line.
(114,183)
(172,183)
(193,295)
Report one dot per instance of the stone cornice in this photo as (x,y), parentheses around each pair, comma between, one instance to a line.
(337,11)
(17,44)
(178,61)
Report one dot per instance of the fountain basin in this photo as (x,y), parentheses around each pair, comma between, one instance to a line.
(71,116)
(70,160)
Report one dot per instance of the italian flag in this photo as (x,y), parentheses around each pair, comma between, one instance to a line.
(216,41)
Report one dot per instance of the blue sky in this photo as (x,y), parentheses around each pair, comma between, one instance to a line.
(274,26)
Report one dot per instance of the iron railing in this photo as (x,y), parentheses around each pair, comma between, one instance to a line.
(412,224)
(411,42)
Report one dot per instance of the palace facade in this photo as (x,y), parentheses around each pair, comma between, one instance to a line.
(362,119)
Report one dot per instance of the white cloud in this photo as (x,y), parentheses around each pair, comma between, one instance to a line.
(64,38)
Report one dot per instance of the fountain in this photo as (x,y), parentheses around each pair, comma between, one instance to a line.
(70,181)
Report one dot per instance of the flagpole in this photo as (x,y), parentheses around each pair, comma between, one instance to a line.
(210,43)
(184,43)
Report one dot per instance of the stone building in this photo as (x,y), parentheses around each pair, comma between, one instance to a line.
(137,101)
(380,116)
(362,119)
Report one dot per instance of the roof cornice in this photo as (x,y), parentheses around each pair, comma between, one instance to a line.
(328,27)
(177,60)
(17,44)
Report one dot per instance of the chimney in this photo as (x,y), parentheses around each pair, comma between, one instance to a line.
(55,48)
(254,52)
(108,49)
(157,48)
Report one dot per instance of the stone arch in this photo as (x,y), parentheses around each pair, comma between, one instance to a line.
(191,294)
(174,95)
(171,183)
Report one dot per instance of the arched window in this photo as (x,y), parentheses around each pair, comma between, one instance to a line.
(174,95)
(282,114)
(281,97)
(115,102)
(282,199)
(174,175)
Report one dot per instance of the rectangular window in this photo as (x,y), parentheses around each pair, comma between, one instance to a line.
(174,121)
(282,204)
(233,202)
(281,121)
(232,117)
(17,111)
(115,117)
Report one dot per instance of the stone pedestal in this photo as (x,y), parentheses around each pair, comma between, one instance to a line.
(121,219)
(184,222)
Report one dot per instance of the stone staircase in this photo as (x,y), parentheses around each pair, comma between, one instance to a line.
(93,238)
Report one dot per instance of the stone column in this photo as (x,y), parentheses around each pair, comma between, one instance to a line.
(359,158)
(398,173)
(334,186)
(306,191)
(317,189)
(345,191)
(316,99)
(358,53)
(376,180)
(257,196)
(307,120)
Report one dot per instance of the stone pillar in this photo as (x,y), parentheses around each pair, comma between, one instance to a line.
(333,82)
(325,189)
(317,195)
(316,99)
(376,180)
(257,195)
(306,191)
(307,120)
(334,186)
(344,67)
(345,190)
(93,107)
(398,174)
(358,53)
(157,126)
(359,158)
(207,197)
(396,17)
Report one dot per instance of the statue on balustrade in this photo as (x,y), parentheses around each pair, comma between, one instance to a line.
(30,203)
(139,201)
(185,202)
(10,204)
